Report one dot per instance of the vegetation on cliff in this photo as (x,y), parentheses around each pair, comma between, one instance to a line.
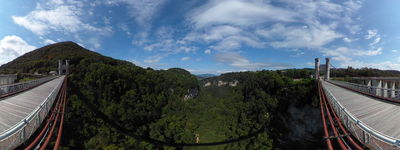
(113,104)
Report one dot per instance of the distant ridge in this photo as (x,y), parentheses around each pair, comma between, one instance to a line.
(203,76)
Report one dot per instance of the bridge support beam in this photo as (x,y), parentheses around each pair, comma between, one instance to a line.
(368,83)
(384,90)
(392,87)
(376,85)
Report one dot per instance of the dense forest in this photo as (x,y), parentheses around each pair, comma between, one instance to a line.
(363,72)
(113,104)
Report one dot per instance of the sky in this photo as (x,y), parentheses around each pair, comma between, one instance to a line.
(211,36)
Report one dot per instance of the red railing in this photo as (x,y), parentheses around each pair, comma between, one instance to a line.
(326,109)
(57,116)
(367,136)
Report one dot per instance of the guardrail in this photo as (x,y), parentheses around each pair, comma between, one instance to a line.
(18,87)
(367,136)
(383,93)
(19,133)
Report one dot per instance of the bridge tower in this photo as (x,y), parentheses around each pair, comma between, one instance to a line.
(317,68)
(328,69)
(63,68)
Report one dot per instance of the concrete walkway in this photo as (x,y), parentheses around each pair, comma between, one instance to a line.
(15,108)
(381,116)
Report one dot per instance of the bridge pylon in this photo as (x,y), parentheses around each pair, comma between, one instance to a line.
(63,67)
(316,68)
(328,68)
(325,68)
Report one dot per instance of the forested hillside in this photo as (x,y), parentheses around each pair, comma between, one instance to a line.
(113,104)
(363,72)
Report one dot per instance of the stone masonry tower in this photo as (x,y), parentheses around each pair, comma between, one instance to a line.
(317,68)
(63,68)
(328,69)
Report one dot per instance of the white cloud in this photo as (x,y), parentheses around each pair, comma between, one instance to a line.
(214,33)
(55,17)
(258,24)
(298,54)
(235,42)
(344,53)
(354,29)
(314,36)
(12,47)
(185,58)
(369,52)
(143,11)
(338,54)
(386,65)
(154,59)
(170,46)
(236,60)
(124,27)
(166,43)
(375,37)
(345,57)
(376,41)
(66,17)
(239,12)
(95,42)
(48,41)
(371,34)
(353,5)
(310,64)
(207,51)
(394,51)
(349,40)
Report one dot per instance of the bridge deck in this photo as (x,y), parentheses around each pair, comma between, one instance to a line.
(378,115)
(16,108)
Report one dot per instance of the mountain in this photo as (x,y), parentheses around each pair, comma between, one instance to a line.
(203,76)
(46,58)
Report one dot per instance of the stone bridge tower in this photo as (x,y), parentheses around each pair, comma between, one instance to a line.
(328,69)
(63,67)
(317,68)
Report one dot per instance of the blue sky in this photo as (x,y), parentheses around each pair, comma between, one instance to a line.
(214,36)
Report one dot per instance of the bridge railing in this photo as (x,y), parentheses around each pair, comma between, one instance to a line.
(17,87)
(19,133)
(387,93)
(367,136)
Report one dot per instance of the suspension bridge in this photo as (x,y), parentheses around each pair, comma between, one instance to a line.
(361,114)
(32,112)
